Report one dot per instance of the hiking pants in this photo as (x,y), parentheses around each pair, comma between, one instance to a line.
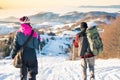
(29,70)
(90,62)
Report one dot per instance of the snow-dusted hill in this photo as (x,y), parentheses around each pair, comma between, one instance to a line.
(51,21)
(58,68)
(6,28)
(56,45)
(68,17)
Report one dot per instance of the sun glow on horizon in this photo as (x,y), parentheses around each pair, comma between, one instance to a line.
(53,3)
(28,7)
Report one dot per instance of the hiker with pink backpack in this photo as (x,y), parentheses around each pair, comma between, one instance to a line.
(28,39)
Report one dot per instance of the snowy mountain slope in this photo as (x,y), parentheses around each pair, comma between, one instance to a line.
(68,17)
(53,21)
(55,45)
(8,28)
(10,19)
(58,68)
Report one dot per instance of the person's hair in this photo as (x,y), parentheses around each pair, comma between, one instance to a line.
(83,25)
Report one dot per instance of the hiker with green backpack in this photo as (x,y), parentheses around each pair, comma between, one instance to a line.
(90,45)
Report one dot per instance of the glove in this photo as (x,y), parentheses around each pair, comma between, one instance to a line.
(75,44)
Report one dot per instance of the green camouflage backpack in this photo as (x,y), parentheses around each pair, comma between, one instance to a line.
(94,40)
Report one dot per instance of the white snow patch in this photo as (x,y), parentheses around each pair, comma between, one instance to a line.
(58,68)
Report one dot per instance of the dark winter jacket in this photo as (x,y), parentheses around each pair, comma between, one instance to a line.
(84,45)
(21,36)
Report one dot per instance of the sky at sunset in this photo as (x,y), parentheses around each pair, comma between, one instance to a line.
(17,7)
(53,3)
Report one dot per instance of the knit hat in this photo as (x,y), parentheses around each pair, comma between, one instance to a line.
(83,25)
(24,19)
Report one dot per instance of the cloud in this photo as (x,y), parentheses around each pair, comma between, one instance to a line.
(1,7)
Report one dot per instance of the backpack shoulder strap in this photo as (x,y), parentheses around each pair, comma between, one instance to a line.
(28,39)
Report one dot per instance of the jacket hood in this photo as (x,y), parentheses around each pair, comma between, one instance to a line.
(26,29)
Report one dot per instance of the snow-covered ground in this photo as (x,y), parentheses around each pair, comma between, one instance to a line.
(55,66)
(59,68)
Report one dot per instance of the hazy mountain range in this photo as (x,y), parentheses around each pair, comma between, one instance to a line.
(68,17)
(65,18)
(111,6)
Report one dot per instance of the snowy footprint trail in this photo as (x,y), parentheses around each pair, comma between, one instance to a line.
(58,68)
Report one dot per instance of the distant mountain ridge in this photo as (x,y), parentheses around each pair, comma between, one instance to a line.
(69,17)
(11,18)
(44,16)
(111,6)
